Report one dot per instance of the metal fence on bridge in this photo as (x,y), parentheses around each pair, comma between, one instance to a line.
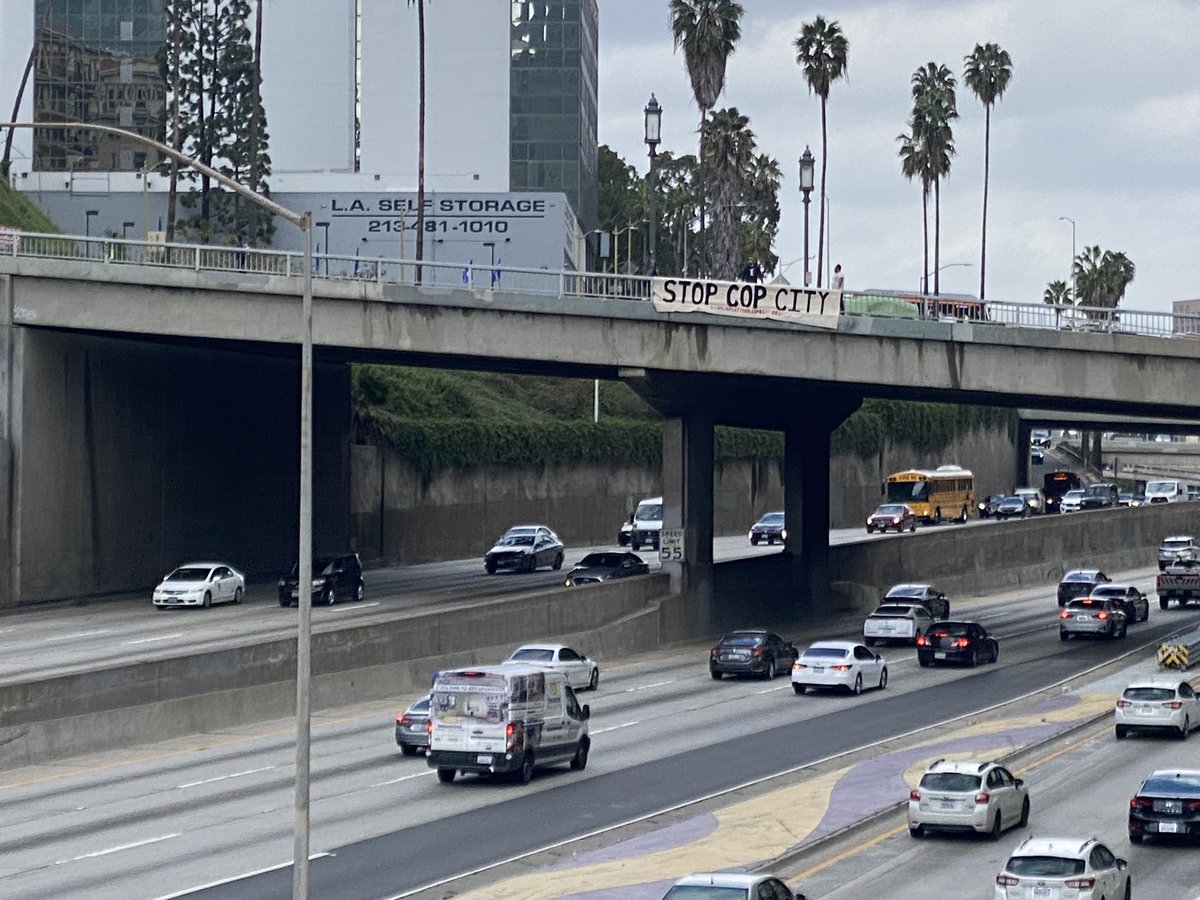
(565,283)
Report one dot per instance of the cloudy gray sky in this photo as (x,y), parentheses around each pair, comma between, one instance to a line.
(1100,123)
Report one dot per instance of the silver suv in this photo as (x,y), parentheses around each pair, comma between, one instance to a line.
(1050,867)
(975,796)
(1176,547)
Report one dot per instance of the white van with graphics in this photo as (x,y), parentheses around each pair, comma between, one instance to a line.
(647,523)
(1167,490)
(509,718)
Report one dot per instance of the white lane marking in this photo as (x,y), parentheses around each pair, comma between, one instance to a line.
(187,892)
(773,689)
(192,784)
(341,609)
(77,634)
(135,844)
(646,687)
(161,637)
(614,727)
(404,778)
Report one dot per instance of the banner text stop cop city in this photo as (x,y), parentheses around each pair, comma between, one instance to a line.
(781,302)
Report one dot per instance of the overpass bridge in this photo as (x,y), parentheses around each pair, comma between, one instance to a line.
(149,404)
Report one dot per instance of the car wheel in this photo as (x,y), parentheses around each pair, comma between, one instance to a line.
(1023,822)
(330,596)
(490,567)
(913,527)
(923,662)
(997,828)
(1135,838)
(207,600)
(284,601)
(995,653)
(526,773)
(1128,889)
(716,676)
(579,760)
(974,658)
(637,545)
(160,608)
(445,776)
(558,560)
(1063,635)
(770,673)
(1120,732)
(532,565)
(594,681)
(1187,726)
(237,596)
(857,689)
(937,516)
(360,592)
(408,750)
(883,678)
(754,541)
(799,688)
(916,831)
(1146,614)
(962,517)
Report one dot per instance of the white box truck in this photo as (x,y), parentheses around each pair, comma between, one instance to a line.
(647,523)
(1166,490)
(505,719)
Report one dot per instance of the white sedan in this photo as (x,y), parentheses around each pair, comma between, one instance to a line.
(897,622)
(200,584)
(839,664)
(582,673)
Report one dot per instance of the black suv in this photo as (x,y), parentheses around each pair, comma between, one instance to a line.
(334,578)
(1099,495)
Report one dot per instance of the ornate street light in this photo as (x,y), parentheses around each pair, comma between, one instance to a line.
(807,165)
(653,137)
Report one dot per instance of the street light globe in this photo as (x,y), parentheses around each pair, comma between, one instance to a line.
(653,123)
(807,165)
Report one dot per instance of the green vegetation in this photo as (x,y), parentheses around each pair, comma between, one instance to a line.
(17,212)
(440,420)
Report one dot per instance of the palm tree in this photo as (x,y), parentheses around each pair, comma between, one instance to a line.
(729,145)
(933,110)
(1102,277)
(1057,293)
(987,73)
(420,4)
(913,165)
(708,31)
(822,52)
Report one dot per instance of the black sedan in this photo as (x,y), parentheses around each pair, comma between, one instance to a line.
(751,652)
(1167,804)
(1079,583)
(525,548)
(962,642)
(1135,604)
(769,528)
(597,567)
(1011,507)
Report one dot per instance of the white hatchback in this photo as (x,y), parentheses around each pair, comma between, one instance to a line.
(1157,703)
(972,795)
(839,664)
(1078,868)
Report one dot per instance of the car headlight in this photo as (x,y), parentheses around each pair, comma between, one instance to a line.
(282,583)
(750,534)
(783,533)
(318,584)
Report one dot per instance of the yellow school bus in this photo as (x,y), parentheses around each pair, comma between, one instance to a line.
(947,492)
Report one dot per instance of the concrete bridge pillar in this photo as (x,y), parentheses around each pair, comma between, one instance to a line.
(688,452)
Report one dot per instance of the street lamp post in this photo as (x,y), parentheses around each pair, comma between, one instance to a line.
(304,222)
(653,114)
(807,165)
(925,280)
(1074,286)
(87,221)
(324,226)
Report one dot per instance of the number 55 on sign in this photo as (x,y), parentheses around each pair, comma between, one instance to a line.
(670,547)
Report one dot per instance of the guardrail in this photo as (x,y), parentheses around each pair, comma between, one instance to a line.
(566,283)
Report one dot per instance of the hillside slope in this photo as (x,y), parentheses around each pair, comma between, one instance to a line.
(16,211)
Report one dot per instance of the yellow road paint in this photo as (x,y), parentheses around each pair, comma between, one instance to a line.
(746,832)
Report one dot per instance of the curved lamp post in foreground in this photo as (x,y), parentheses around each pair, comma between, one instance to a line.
(303,221)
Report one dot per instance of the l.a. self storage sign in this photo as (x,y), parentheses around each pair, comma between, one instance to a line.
(782,302)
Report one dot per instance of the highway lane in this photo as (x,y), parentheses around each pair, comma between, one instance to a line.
(53,639)
(1083,791)
(664,733)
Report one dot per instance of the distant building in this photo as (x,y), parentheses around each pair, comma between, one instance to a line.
(1190,311)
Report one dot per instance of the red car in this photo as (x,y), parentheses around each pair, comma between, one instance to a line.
(891,516)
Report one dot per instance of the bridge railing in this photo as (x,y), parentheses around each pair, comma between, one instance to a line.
(564,283)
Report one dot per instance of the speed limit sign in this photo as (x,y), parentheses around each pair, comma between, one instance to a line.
(670,545)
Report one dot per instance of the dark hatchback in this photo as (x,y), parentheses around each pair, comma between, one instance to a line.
(335,578)
(1166,805)
(962,642)
(598,567)
(751,652)
(1079,583)
(412,727)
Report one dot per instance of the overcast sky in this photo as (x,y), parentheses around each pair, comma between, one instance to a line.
(1100,123)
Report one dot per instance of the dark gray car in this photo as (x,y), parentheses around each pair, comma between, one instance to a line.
(597,567)
(525,548)
(335,578)
(412,727)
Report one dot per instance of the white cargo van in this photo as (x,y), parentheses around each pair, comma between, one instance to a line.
(510,718)
(647,523)
(1166,490)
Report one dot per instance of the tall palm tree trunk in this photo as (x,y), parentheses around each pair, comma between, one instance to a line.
(987,151)
(821,214)
(420,135)
(255,125)
(701,246)
(937,234)
(925,235)
(176,134)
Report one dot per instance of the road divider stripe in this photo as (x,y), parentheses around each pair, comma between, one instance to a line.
(71,637)
(133,846)
(613,727)
(403,778)
(192,784)
(161,637)
(646,687)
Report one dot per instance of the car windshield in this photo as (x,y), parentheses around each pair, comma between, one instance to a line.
(1073,495)
(705,892)
(892,611)
(649,512)
(1098,490)
(1175,784)
(1017,501)
(890,509)
(516,540)
(320,566)
(950,781)
(421,705)
(1176,545)
(1044,866)
(189,573)
(826,652)
(1159,694)
(771,519)
(1109,590)
(602,559)
(904,491)
(534,654)
(742,640)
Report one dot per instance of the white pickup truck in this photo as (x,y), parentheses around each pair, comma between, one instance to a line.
(1180,581)
(897,622)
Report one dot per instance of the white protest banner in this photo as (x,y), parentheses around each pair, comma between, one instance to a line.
(780,302)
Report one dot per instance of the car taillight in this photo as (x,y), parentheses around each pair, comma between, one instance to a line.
(922,641)
(842,668)
(1064,614)
(1140,803)
(961,642)
(796,666)
(983,797)
(712,653)
(1122,704)
(914,794)
(1173,704)
(402,720)
(1083,884)
(1007,880)
(1102,615)
(429,726)
(510,732)
(1191,805)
